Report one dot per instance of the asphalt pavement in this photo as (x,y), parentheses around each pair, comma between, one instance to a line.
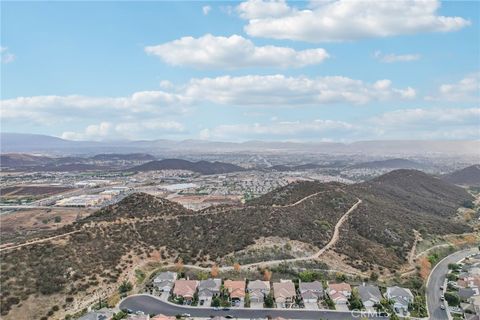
(152,305)
(437,279)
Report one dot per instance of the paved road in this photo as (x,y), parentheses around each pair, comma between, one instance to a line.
(151,305)
(437,279)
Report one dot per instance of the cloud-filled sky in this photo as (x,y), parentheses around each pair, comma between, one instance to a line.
(335,70)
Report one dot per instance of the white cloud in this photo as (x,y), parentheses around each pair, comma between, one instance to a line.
(6,56)
(436,123)
(275,90)
(124,130)
(95,132)
(391,57)
(250,90)
(277,129)
(436,116)
(467,89)
(258,9)
(209,52)
(206,10)
(50,108)
(343,20)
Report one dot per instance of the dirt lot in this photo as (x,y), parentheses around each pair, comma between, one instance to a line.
(22,222)
(33,190)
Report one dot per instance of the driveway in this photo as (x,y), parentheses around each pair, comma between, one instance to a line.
(256,305)
(311,306)
(341,307)
(152,305)
(437,279)
(164,296)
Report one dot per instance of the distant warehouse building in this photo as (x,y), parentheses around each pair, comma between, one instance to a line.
(87,200)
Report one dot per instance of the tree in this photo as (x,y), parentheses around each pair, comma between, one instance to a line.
(329,302)
(393,316)
(452,298)
(214,271)
(267,275)
(468,204)
(269,301)
(454,267)
(179,264)
(57,219)
(216,302)
(119,315)
(452,277)
(237,267)
(307,276)
(354,301)
(125,287)
(373,276)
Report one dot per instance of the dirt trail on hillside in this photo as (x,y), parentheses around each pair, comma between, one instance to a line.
(38,241)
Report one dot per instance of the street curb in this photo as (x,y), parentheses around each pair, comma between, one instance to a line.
(431,272)
(211,308)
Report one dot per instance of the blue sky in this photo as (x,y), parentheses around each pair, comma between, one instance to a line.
(339,71)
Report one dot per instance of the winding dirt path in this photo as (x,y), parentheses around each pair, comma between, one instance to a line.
(39,241)
(329,245)
(333,241)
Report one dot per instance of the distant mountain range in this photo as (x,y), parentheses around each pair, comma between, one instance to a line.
(203,167)
(19,142)
(469,176)
(391,164)
(29,162)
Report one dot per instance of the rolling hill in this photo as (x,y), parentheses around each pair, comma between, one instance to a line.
(29,162)
(391,164)
(469,176)
(203,167)
(105,247)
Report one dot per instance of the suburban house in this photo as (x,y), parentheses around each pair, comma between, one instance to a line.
(207,289)
(339,292)
(236,291)
(138,317)
(162,317)
(284,293)
(185,289)
(311,291)
(257,291)
(370,295)
(164,281)
(467,293)
(401,298)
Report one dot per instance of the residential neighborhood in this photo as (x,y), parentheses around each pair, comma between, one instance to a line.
(281,294)
(461,294)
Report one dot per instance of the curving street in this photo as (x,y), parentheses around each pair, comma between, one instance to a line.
(153,305)
(436,280)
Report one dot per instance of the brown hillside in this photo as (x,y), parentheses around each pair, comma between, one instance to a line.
(102,250)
